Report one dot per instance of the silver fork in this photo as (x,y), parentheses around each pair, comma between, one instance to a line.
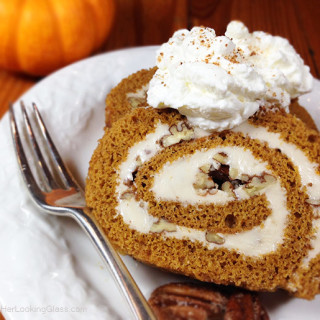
(58,193)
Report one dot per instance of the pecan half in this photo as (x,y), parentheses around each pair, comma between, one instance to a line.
(186,301)
(245,306)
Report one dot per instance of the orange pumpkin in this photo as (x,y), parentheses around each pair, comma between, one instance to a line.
(37,37)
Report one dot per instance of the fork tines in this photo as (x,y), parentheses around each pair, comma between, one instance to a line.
(68,199)
(39,149)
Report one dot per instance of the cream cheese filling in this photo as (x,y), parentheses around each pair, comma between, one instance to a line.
(258,241)
(310,179)
(175,180)
(135,214)
(142,152)
(140,94)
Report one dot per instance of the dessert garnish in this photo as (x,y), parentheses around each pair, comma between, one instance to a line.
(199,302)
(218,82)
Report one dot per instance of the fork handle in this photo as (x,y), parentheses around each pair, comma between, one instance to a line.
(128,286)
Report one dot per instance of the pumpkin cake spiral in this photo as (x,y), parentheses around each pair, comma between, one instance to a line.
(233,207)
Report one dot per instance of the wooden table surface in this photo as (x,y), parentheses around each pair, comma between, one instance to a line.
(145,22)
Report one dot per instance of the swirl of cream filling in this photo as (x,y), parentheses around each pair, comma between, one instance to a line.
(308,172)
(255,242)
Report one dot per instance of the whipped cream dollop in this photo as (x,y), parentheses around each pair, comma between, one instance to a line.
(220,81)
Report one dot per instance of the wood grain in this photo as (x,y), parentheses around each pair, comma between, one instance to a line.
(145,22)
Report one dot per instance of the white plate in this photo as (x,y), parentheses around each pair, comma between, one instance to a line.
(49,268)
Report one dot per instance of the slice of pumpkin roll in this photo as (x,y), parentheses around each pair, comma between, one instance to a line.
(235,207)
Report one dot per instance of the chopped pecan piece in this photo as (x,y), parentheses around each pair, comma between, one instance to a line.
(228,188)
(127,195)
(259,183)
(221,157)
(245,177)
(177,134)
(138,98)
(136,102)
(203,183)
(205,168)
(313,202)
(186,301)
(163,225)
(214,238)
(233,173)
